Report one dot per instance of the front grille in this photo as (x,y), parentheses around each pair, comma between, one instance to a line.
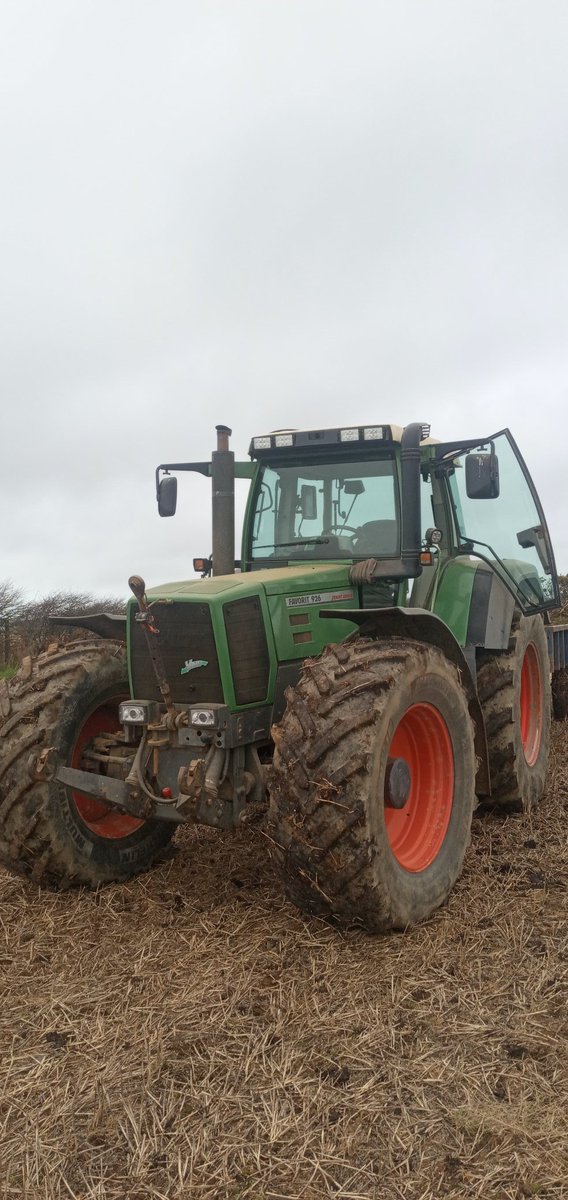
(248,649)
(186,637)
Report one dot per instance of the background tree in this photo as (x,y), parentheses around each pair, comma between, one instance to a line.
(10,609)
(561,614)
(24,624)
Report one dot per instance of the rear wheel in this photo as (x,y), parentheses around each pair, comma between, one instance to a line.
(68,701)
(560,694)
(515,694)
(372,792)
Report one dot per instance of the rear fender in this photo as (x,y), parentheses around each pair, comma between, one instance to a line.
(423,626)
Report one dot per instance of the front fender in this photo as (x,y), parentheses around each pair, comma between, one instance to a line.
(106,625)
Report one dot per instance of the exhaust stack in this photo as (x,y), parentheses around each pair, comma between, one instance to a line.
(223,503)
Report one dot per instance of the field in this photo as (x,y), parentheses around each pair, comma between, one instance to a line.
(191,1035)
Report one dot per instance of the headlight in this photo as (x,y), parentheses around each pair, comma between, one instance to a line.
(132,714)
(349,435)
(202,716)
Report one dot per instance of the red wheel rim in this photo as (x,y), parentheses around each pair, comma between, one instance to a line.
(531,705)
(97,816)
(416,832)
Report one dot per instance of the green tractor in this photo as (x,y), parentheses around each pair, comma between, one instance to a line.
(375,662)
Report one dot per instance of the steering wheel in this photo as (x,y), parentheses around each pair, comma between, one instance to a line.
(336,530)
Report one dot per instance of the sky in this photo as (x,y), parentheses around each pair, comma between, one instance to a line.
(267,213)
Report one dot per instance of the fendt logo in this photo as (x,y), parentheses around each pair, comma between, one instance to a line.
(191,664)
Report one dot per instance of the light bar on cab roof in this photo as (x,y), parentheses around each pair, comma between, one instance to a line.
(314,439)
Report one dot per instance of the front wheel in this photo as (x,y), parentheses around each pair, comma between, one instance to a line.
(67,700)
(373,784)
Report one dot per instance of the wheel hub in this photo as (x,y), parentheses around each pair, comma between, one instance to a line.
(531,705)
(397,783)
(421,782)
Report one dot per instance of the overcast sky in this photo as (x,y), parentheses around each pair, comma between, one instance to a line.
(287,212)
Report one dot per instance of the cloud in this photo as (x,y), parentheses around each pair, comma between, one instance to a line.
(266,215)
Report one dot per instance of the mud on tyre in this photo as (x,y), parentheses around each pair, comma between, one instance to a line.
(48,832)
(372,789)
(515,695)
(560,694)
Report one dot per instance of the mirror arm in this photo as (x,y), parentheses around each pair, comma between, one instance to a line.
(204,468)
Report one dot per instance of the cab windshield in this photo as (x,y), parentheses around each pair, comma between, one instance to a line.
(330,510)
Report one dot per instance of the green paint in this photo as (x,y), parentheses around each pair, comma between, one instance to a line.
(274,588)
(295,591)
(453,597)
(321,631)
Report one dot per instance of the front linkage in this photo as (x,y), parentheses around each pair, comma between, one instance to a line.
(222,775)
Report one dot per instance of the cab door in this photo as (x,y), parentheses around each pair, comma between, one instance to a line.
(498,517)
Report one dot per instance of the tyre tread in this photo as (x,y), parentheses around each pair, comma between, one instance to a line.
(317,816)
(498,684)
(32,842)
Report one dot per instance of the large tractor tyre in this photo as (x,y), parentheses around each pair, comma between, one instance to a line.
(560,694)
(373,780)
(48,832)
(515,694)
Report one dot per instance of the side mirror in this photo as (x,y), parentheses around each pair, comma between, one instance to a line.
(167,496)
(482,475)
(535,537)
(353,487)
(308,502)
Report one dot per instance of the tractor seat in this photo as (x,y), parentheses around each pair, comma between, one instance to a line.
(377,537)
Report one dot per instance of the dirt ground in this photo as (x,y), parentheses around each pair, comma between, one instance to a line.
(192,1035)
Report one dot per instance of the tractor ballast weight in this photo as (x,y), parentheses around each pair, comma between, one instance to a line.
(377,662)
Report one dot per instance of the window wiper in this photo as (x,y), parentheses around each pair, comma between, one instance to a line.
(300,542)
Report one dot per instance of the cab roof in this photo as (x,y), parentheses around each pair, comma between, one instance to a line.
(345,437)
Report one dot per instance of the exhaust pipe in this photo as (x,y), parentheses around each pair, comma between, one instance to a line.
(410,488)
(223,503)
